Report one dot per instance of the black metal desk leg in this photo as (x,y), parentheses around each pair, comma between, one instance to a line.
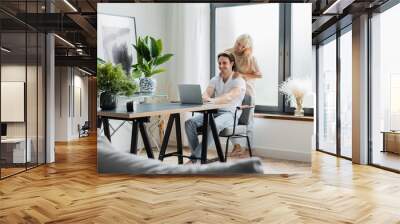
(146,140)
(164,144)
(216,138)
(204,139)
(106,125)
(179,138)
(134,138)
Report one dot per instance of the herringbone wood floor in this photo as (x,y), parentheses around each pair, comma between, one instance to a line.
(70,191)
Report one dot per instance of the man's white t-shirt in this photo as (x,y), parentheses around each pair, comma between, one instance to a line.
(221,87)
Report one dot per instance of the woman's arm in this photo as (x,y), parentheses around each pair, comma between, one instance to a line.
(254,75)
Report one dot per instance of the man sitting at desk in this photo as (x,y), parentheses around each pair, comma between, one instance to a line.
(227,88)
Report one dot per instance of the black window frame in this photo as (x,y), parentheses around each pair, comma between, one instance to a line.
(332,35)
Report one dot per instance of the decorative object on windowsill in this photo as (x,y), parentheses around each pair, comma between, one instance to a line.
(296,89)
(112,81)
(149,58)
(129,106)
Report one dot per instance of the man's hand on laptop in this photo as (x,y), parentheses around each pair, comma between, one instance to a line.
(207,99)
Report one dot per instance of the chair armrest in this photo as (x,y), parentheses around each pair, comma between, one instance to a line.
(244,107)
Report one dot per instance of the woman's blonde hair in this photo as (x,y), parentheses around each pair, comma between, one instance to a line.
(246,40)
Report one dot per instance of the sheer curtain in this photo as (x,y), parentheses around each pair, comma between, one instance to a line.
(189,40)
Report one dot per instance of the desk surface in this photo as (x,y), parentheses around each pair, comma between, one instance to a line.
(13,140)
(391,132)
(147,110)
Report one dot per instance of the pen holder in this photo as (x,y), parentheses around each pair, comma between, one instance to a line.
(129,106)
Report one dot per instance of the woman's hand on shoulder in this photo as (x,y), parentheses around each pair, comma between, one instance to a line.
(237,74)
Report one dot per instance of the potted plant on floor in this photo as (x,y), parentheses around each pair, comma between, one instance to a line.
(112,81)
(296,89)
(149,58)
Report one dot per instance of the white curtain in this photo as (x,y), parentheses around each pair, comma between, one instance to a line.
(189,41)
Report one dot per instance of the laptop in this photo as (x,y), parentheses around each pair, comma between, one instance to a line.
(190,94)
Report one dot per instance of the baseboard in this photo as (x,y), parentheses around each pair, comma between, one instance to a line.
(285,154)
(269,152)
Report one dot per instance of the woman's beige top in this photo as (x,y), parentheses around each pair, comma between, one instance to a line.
(245,64)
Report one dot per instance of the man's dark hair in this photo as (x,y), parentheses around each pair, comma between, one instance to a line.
(230,57)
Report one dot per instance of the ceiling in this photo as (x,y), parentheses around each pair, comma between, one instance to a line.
(332,15)
(75,21)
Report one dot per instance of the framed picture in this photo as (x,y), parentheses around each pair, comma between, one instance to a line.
(115,37)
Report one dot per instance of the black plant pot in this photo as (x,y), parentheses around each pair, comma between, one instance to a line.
(108,101)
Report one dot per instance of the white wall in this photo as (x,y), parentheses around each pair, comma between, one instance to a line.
(79,117)
(283,139)
(66,121)
(61,104)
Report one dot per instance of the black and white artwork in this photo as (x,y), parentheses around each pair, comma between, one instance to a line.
(116,35)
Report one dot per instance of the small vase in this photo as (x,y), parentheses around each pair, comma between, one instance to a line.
(108,101)
(299,108)
(147,85)
(299,113)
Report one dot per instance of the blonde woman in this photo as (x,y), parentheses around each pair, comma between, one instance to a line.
(247,67)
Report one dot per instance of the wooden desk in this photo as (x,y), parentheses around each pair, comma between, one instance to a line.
(142,114)
(14,151)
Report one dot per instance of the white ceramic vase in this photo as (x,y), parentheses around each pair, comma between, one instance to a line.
(299,107)
(147,85)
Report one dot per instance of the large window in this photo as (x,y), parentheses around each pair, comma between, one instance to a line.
(301,48)
(261,22)
(281,36)
(346,93)
(385,89)
(335,94)
(327,95)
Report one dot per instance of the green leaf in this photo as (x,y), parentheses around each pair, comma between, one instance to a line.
(145,50)
(157,71)
(159,45)
(155,51)
(149,57)
(136,74)
(100,61)
(163,59)
(113,79)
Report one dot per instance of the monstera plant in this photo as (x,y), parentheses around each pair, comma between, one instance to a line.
(149,58)
(112,81)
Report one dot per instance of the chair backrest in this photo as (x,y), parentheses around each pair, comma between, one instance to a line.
(244,117)
(86,125)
